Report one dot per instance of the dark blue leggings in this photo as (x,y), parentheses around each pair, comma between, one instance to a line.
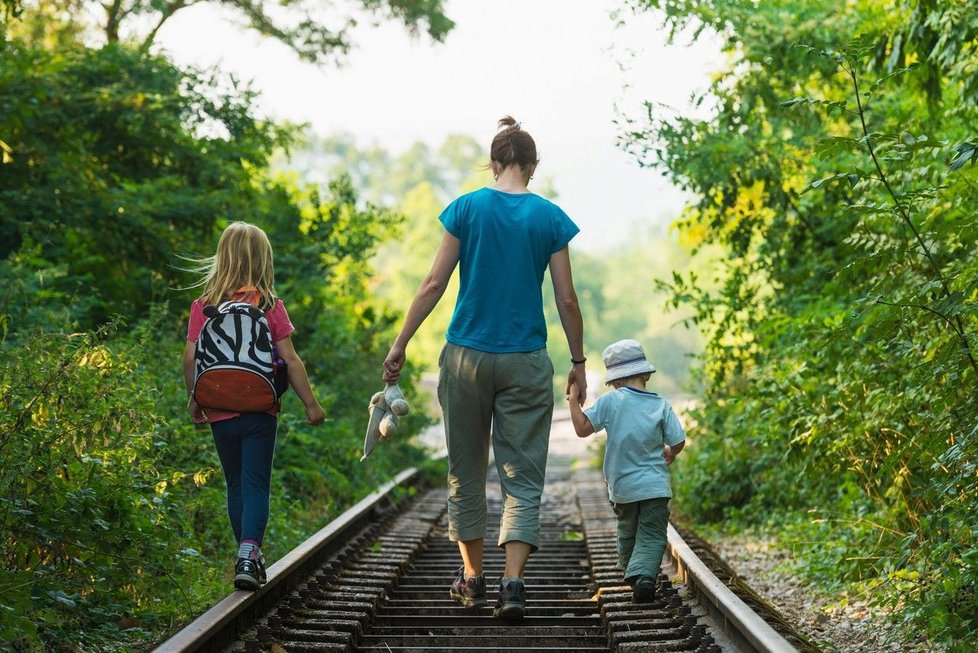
(245,445)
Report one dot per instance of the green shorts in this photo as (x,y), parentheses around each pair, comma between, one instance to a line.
(509,396)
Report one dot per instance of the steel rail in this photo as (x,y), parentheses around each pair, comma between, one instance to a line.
(217,628)
(412,597)
(735,618)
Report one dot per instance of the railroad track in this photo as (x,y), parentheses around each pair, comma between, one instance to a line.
(377,579)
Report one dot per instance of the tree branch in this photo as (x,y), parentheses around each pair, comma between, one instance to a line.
(165,13)
(959,331)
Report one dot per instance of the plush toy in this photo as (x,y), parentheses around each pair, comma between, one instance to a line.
(385,408)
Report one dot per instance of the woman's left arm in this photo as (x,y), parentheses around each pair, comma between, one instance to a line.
(570,318)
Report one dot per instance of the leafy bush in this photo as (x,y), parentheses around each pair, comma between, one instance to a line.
(835,166)
(112,507)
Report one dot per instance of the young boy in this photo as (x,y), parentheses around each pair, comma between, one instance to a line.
(644,436)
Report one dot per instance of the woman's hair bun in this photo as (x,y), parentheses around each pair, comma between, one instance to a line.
(507,122)
(512,145)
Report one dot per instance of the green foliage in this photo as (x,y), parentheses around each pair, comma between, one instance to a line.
(302,25)
(835,169)
(112,516)
(84,494)
(117,162)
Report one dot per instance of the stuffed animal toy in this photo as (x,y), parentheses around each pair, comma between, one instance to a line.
(385,408)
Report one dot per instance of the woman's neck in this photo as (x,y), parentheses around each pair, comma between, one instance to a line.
(512,179)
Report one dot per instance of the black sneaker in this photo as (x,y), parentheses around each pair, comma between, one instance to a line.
(470,592)
(512,599)
(644,590)
(249,573)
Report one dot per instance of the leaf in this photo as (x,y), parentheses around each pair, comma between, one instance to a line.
(966,152)
(851,177)
(62,598)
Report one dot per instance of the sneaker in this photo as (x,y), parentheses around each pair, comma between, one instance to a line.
(249,573)
(470,592)
(644,590)
(512,599)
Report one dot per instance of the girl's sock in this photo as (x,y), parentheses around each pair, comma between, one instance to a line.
(248,549)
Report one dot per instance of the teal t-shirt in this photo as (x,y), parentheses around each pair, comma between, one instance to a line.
(639,424)
(506,241)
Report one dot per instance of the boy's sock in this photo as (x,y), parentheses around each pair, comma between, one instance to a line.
(248,549)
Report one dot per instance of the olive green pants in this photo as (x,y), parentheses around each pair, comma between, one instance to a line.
(642,536)
(508,397)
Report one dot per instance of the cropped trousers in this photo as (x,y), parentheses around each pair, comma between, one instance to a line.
(506,400)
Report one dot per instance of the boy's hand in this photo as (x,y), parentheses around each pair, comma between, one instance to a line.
(668,455)
(571,391)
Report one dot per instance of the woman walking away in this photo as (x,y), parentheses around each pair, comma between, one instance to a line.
(495,375)
(250,330)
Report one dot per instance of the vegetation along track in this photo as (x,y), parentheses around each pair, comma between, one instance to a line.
(377,579)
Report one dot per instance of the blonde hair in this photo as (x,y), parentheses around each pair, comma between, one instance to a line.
(643,377)
(243,260)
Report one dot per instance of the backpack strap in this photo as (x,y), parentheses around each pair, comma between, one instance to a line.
(246,294)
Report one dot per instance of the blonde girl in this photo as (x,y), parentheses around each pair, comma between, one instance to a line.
(242,270)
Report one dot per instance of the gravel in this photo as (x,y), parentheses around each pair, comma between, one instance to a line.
(837,623)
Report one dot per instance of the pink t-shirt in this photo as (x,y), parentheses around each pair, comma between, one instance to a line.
(278,322)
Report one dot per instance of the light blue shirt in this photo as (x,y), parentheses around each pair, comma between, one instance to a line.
(639,424)
(506,241)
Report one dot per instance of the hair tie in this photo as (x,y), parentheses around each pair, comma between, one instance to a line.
(517,125)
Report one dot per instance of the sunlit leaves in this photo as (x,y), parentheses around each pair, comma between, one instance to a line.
(966,152)
(843,386)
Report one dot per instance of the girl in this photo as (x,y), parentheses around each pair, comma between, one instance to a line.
(241,270)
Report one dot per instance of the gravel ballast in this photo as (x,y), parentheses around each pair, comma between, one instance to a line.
(838,624)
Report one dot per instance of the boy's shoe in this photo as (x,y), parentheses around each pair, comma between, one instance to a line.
(512,599)
(249,573)
(470,592)
(644,590)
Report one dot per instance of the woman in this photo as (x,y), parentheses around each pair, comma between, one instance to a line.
(494,369)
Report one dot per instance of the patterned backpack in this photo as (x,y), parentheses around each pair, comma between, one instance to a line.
(236,366)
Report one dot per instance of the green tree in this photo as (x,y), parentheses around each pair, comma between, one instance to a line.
(111,512)
(117,162)
(833,170)
(315,33)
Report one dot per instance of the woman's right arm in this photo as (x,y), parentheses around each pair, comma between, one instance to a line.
(570,318)
(425,300)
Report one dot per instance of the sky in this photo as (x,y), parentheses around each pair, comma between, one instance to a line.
(564,68)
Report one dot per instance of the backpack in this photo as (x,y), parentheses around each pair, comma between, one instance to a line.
(236,368)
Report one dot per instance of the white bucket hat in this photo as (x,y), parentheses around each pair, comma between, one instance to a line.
(625,358)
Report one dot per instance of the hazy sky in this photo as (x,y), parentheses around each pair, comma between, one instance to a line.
(562,67)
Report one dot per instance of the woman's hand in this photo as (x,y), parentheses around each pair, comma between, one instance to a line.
(576,385)
(393,364)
